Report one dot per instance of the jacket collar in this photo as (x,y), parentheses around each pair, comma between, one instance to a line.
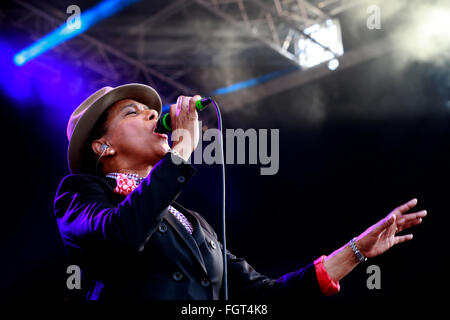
(111,182)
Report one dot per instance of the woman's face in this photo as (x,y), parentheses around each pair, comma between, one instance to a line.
(131,134)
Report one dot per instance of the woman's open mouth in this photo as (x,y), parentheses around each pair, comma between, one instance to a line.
(163,135)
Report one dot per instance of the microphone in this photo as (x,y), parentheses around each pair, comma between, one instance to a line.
(164,123)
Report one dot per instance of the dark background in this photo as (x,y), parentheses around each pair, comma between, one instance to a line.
(383,141)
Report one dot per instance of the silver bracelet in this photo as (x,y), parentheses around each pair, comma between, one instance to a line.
(357,253)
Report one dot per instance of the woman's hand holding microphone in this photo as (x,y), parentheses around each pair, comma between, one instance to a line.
(185,127)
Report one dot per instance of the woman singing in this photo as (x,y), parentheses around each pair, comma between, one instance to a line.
(120,223)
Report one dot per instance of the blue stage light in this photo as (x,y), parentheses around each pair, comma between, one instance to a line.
(243,84)
(65,32)
(253,82)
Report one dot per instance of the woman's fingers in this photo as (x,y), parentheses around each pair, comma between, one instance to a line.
(192,102)
(409,224)
(384,223)
(412,216)
(405,207)
(185,104)
(400,239)
(402,221)
(410,220)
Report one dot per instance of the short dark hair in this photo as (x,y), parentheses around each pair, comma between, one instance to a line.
(89,156)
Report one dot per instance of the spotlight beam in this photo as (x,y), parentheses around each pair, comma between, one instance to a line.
(66,31)
(89,49)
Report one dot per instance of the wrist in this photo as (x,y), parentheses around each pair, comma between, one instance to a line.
(180,151)
(340,262)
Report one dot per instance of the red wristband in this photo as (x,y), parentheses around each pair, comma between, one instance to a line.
(327,285)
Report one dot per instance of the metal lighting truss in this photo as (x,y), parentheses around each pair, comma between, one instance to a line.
(109,63)
(279,24)
(283,25)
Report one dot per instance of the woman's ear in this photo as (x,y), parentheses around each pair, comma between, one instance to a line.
(102,148)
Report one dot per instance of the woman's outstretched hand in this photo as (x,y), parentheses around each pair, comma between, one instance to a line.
(375,240)
(383,235)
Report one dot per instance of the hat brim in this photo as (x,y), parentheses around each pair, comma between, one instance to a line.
(136,91)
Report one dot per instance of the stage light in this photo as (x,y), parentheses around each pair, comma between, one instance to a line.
(437,21)
(333,64)
(253,82)
(243,84)
(19,59)
(66,31)
(329,35)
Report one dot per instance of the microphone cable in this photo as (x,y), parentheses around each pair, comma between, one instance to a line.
(224,238)
(164,125)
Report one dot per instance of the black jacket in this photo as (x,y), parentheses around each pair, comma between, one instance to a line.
(131,247)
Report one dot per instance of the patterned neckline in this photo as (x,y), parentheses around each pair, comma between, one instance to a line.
(127,182)
(133,176)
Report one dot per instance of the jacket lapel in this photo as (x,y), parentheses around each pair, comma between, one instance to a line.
(198,234)
(111,183)
(188,238)
(192,241)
